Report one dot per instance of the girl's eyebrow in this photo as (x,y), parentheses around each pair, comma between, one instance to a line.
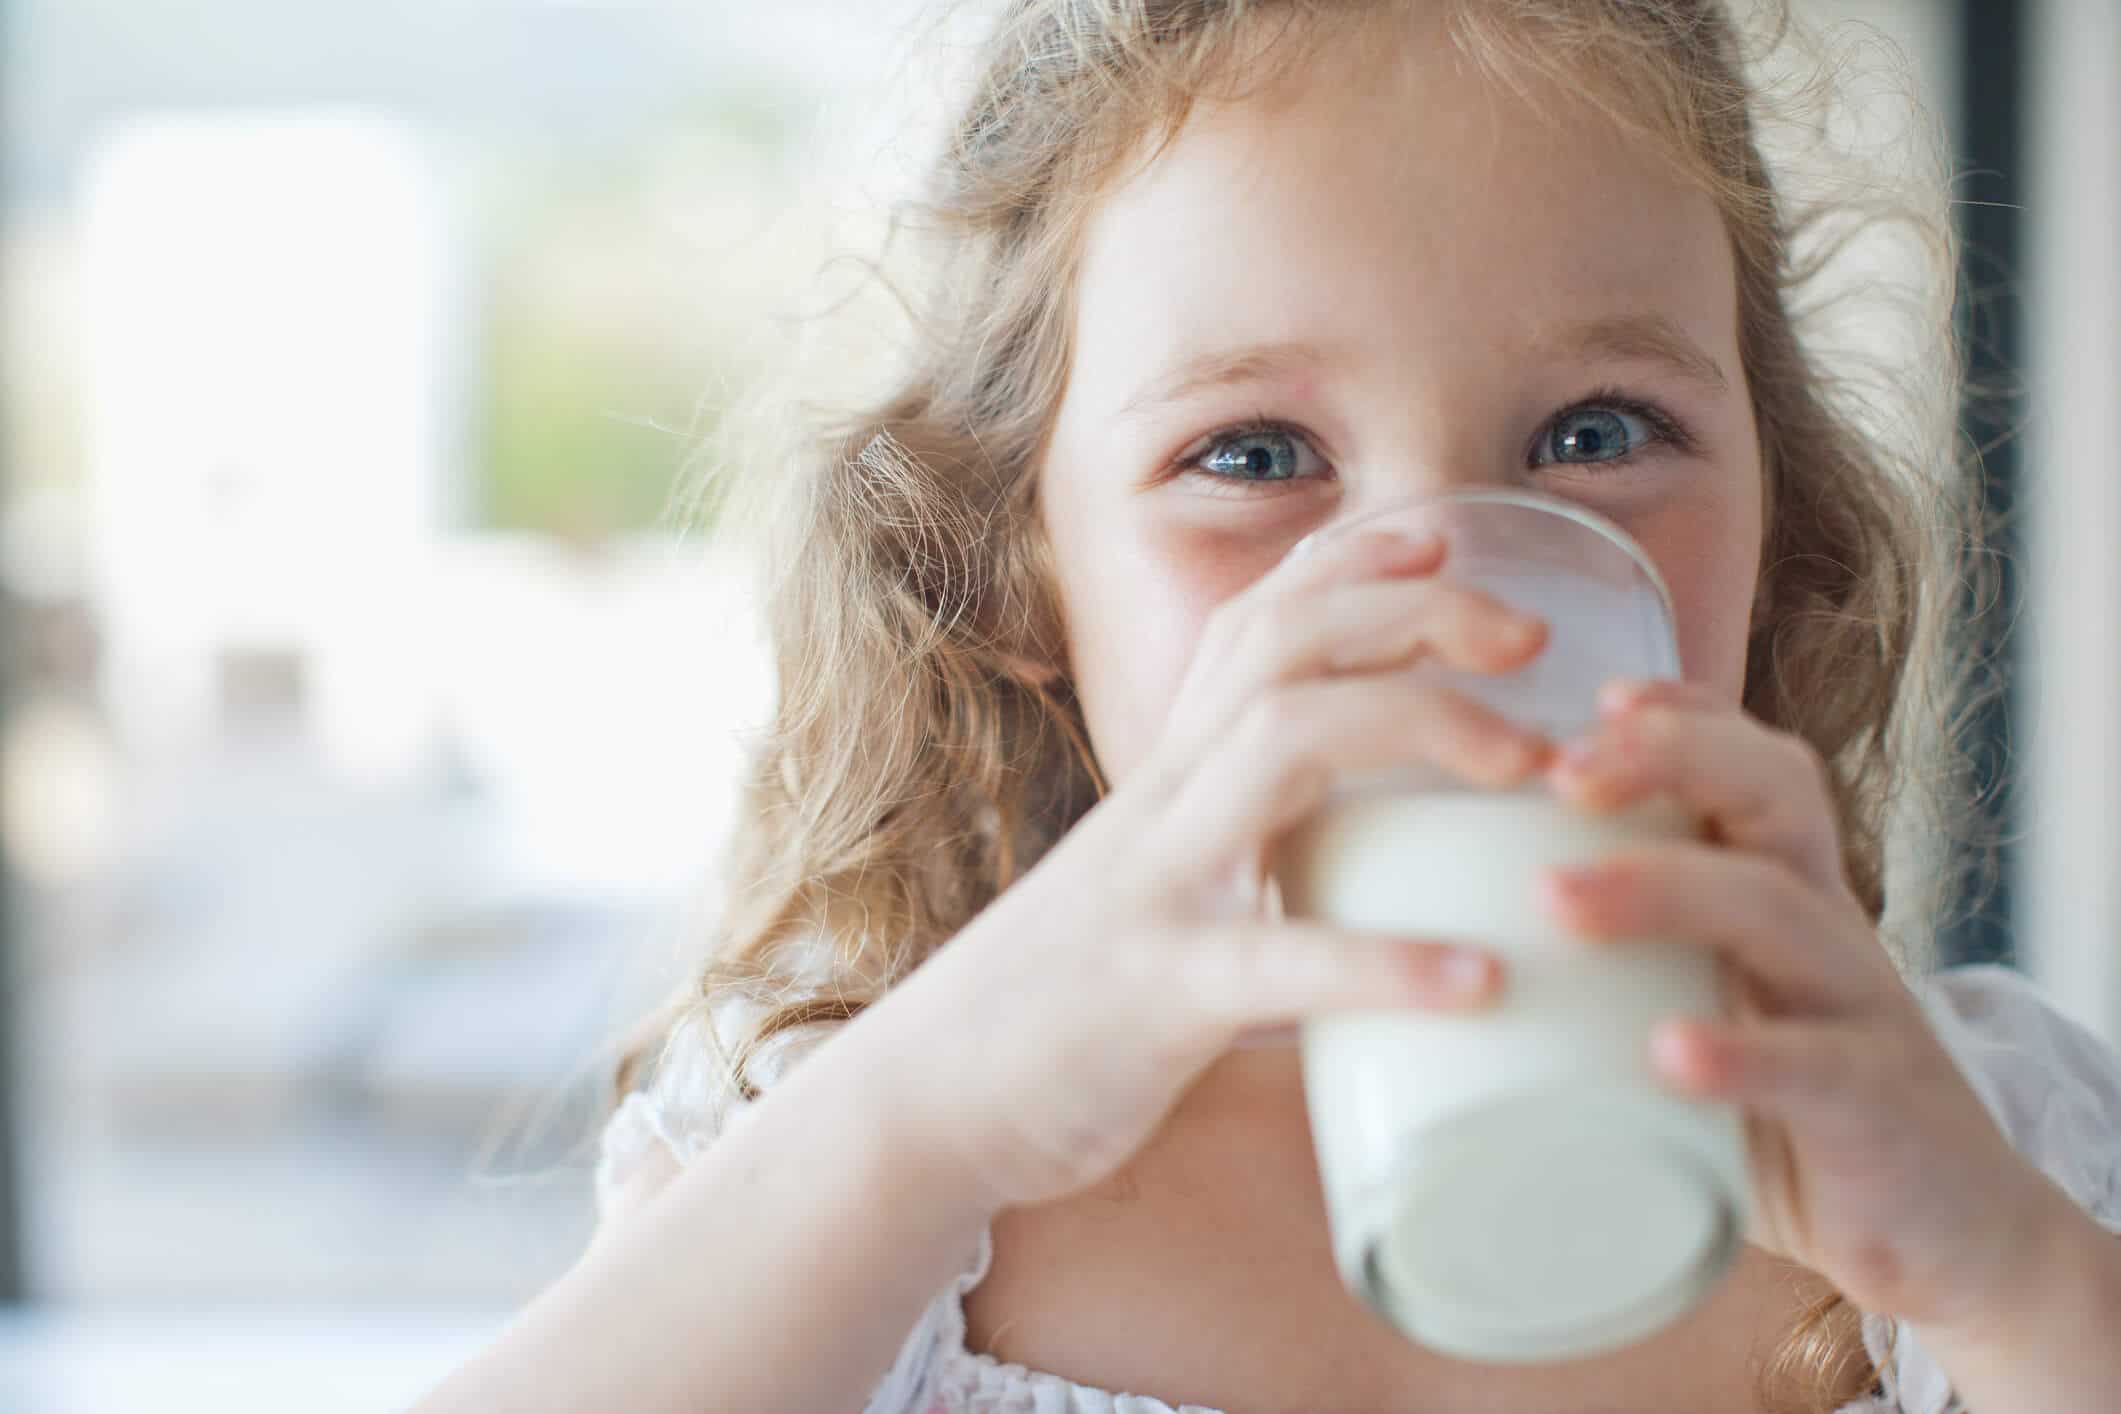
(1222,368)
(1647,338)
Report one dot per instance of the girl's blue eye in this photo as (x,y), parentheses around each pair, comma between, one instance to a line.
(1594,434)
(1258,454)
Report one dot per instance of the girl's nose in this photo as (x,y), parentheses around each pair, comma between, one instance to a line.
(1390,486)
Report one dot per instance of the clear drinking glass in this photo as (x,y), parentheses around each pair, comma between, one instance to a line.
(1515,1183)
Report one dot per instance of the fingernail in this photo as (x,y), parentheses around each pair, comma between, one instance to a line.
(1566,886)
(1465,971)
(1669,1048)
(1516,757)
(1415,540)
(1578,757)
(1617,697)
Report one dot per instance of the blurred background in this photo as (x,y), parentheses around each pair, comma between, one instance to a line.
(371,698)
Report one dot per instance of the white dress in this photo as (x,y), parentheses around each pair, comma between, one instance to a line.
(2054,1089)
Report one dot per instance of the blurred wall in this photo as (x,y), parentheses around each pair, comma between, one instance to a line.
(2070,861)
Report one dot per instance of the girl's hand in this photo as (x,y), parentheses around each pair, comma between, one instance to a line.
(1873,1161)
(1043,1045)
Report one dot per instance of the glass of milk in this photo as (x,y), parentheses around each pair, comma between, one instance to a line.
(1515,1183)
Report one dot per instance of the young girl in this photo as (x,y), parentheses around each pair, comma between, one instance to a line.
(1214,276)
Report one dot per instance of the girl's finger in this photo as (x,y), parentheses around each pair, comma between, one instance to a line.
(1809,951)
(1215,687)
(1809,1069)
(1364,605)
(1276,764)
(1242,974)
(1756,788)
(1626,694)
(1377,624)
(1373,554)
(1269,1036)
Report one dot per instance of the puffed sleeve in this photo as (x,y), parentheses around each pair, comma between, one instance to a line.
(2054,1089)
(689,1099)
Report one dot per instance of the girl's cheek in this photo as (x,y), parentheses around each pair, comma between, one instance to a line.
(1203,565)
(1218,545)
(1155,605)
(1709,558)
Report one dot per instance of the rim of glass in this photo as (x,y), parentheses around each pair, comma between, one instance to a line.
(1534,500)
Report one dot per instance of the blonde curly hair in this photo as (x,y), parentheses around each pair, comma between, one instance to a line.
(913,768)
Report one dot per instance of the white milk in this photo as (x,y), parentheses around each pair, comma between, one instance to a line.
(1513,1183)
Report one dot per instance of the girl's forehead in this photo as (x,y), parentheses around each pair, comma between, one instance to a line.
(1345,203)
